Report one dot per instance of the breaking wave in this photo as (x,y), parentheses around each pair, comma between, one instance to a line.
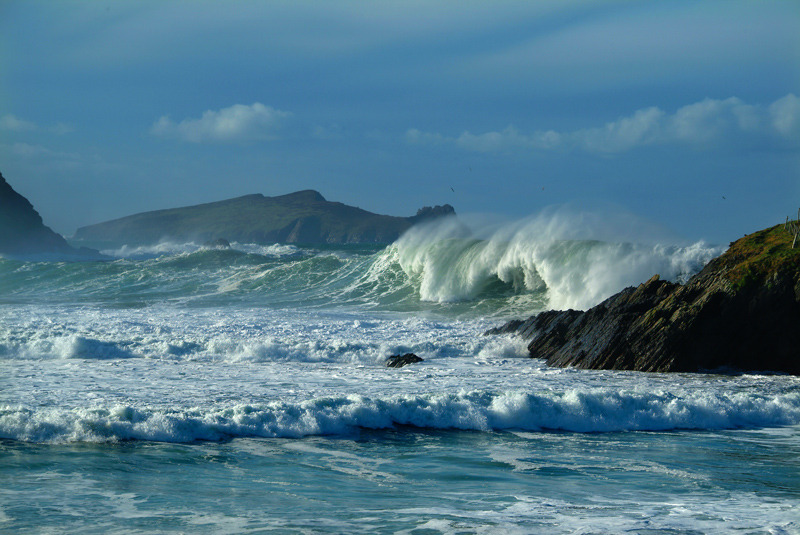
(589,411)
(576,259)
(555,260)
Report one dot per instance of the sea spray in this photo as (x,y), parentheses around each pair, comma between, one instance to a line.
(557,252)
(584,411)
(171,248)
(453,266)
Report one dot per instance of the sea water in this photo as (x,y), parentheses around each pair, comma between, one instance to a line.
(184,389)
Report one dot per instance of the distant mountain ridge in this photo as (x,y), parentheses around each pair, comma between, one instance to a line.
(22,231)
(299,217)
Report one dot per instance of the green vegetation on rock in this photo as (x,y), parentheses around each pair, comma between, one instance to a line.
(741,312)
(758,257)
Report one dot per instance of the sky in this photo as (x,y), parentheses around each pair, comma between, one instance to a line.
(684,113)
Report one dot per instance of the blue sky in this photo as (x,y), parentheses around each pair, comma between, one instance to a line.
(686,113)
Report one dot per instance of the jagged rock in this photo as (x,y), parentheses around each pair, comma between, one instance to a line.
(426,213)
(398,361)
(741,312)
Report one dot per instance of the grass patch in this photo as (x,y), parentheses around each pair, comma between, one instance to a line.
(757,256)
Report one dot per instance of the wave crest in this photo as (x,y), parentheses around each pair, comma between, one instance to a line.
(559,259)
(584,411)
(559,252)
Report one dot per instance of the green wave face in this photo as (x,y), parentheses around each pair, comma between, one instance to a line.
(450,274)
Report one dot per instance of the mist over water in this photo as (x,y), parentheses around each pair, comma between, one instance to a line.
(575,259)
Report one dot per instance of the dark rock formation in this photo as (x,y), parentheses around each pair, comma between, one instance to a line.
(22,231)
(427,213)
(300,217)
(398,361)
(741,312)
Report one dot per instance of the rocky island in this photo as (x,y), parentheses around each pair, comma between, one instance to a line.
(741,312)
(300,217)
(23,233)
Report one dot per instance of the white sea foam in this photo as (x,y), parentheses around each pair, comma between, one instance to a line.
(189,344)
(226,335)
(174,371)
(578,258)
(590,515)
(596,410)
(274,250)
(153,250)
(555,260)
(171,248)
(201,373)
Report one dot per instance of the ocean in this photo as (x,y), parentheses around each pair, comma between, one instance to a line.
(179,388)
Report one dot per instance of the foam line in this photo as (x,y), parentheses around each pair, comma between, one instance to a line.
(585,411)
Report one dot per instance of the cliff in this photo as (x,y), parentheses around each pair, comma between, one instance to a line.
(741,312)
(300,217)
(22,231)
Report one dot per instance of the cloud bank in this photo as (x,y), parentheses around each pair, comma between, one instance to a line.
(704,123)
(237,123)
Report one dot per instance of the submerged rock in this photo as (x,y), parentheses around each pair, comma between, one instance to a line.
(398,361)
(741,312)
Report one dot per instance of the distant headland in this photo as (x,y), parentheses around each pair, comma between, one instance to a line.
(23,233)
(741,312)
(300,217)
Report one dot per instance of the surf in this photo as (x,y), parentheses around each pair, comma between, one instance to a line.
(575,259)
(455,266)
(600,410)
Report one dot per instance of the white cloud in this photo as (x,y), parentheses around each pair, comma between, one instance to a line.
(710,119)
(785,115)
(236,123)
(60,129)
(14,124)
(642,128)
(700,124)
(26,150)
(39,155)
(509,138)
(414,136)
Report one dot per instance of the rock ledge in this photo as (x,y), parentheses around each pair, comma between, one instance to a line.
(741,312)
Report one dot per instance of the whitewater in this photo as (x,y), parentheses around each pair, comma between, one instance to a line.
(182,388)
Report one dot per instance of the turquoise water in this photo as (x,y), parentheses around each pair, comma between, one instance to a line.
(178,389)
(413,481)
